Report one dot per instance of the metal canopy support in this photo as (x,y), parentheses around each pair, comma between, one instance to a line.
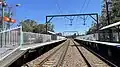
(98,27)
(91,15)
(93,18)
(71,15)
(108,19)
(50,19)
(47,21)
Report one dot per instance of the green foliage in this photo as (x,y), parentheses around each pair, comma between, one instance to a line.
(114,16)
(32,26)
(116,10)
(40,28)
(28,25)
(50,26)
(116,19)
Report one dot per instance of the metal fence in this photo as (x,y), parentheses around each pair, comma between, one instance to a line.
(31,38)
(103,37)
(11,37)
(89,37)
(15,37)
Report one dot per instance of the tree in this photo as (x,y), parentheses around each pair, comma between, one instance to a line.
(116,10)
(28,25)
(50,26)
(32,26)
(41,28)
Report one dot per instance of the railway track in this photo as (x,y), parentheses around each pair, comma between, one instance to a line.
(69,54)
(54,59)
(93,59)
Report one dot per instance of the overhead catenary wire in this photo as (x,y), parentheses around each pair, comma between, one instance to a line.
(58,6)
(84,9)
(87,4)
(59,9)
(71,19)
(81,8)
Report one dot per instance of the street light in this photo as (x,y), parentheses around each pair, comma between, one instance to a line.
(18,5)
(10,13)
(10,16)
(108,19)
(2,18)
(3,6)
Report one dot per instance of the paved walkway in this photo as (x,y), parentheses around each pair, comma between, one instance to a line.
(5,50)
(33,46)
(11,53)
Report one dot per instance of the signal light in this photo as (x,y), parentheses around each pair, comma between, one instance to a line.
(13,21)
(6,19)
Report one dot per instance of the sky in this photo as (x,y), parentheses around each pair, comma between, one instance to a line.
(38,9)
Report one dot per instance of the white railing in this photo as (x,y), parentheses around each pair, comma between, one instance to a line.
(16,37)
(11,37)
(33,38)
(103,37)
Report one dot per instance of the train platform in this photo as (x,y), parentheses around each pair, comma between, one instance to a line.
(67,54)
(99,42)
(10,54)
(12,57)
(33,46)
(7,50)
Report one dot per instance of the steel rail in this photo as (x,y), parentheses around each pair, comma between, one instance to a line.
(48,57)
(63,55)
(96,54)
(86,61)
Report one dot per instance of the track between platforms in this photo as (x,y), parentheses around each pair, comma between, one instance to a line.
(94,59)
(52,58)
(56,58)
(67,54)
(91,59)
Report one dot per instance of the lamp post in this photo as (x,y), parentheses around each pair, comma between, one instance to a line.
(2,18)
(10,16)
(10,13)
(3,5)
(108,20)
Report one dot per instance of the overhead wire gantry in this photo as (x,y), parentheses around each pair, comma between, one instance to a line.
(50,17)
